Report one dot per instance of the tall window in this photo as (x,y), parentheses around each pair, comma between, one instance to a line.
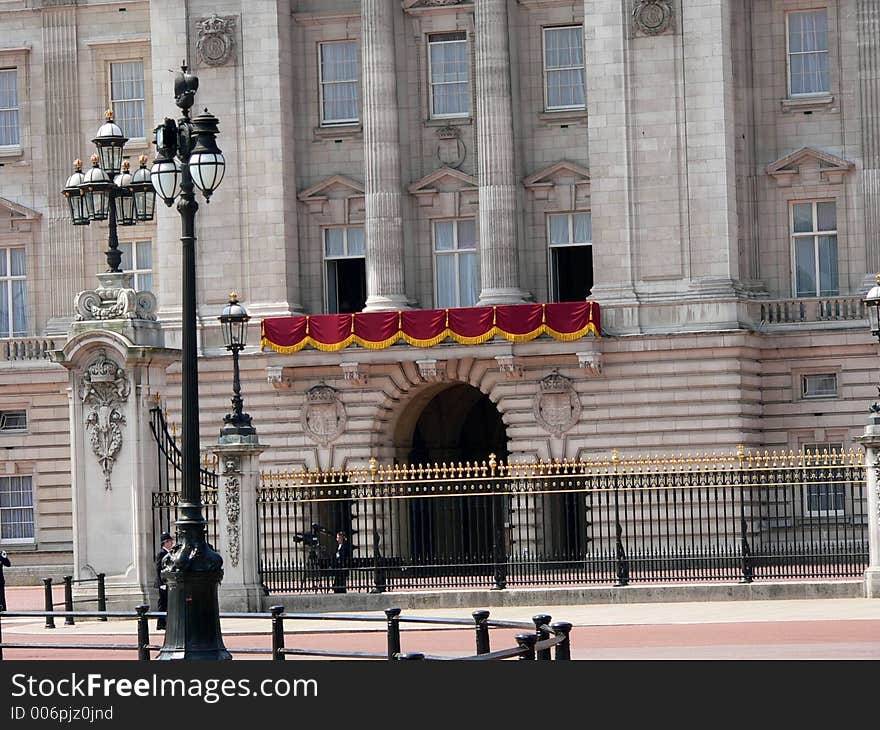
(16,509)
(822,498)
(9,134)
(339,82)
(127,97)
(137,259)
(814,244)
(564,68)
(13,292)
(448,72)
(808,53)
(345,269)
(455,262)
(571,256)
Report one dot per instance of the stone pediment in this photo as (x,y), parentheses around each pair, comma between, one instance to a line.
(15,216)
(809,166)
(444,180)
(416,6)
(565,183)
(335,186)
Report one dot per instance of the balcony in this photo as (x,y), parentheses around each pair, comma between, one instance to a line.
(834,311)
(26,349)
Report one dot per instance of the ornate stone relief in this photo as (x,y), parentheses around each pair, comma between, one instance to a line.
(232,467)
(323,418)
(508,367)
(451,150)
(104,388)
(652,17)
(114,299)
(557,405)
(216,39)
(354,372)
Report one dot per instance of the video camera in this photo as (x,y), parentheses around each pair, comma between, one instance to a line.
(311,538)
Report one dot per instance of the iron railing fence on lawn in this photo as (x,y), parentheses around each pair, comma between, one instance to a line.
(740,517)
(166,498)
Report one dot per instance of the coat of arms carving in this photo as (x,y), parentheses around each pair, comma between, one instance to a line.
(216,39)
(557,406)
(652,17)
(323,418)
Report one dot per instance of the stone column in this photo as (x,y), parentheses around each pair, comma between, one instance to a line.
(115,378)
(237,529)
(871,441)
(499,186)
(382,183)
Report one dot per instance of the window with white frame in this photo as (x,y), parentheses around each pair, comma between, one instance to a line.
(822,498)
(814,248)
(338,69)
(570,237)
(16,509)
(344,269)
(9,130)
(808,52)
(137,259)
(818,385)
(13,292)
(13,420)
(455,263)
(448,75)
(127,97)
(564,68)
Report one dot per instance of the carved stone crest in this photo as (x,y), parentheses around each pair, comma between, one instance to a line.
(104,388)
(451,150)
(323,418)
(114,299)
(557,406)
(652,17)
(233,512)
(216,39)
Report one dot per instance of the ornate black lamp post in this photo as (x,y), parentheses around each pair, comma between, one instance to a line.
(188,157)
(108,191)
(233,322)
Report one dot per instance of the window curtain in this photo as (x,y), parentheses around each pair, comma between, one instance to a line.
(339,73)
(9,107)
(808,52)
(449,78)
(16,508)
(564,65)
(127,92)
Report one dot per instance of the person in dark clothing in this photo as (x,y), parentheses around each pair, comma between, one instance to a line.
(4,563)
(341,563)
(167,544)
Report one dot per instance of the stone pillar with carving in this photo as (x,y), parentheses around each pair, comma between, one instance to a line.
(383,196)
(117,374)
(870,439)
(237,529)
(498,183)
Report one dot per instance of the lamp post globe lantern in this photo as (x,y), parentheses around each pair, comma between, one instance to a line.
(872,305)
(124,198)
(193,569)
(110,140)
(79,214)
(95,188)
(206,162)
(143,192)
(237,426)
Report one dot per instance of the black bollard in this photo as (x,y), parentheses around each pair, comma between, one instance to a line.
(527,643)
(143,630)
(102,597)
(47,602)
(411,656)
(277,632)
(68,599)
(542,620)
(563,649)
(393,615)
(481,619)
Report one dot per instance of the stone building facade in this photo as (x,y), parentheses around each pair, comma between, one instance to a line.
(706,171)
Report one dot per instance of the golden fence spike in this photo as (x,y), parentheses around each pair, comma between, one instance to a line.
(492,463)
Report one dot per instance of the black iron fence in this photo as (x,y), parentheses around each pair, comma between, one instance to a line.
(741,517)
(541,639)
(166,498)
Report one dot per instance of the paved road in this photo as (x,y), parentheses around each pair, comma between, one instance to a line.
(842,628)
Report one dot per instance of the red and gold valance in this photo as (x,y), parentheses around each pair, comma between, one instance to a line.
(564,321)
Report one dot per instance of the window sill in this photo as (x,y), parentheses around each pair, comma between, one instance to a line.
(341,131)
(563,116)
(807,103)
(449,121)
(11,152)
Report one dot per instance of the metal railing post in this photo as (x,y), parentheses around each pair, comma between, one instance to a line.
(542,621)
(68,599)
(277,633)
(47,602)
(481,620)
(527,642)
(102,597)
(563,648)
(393,616)
(143,632)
